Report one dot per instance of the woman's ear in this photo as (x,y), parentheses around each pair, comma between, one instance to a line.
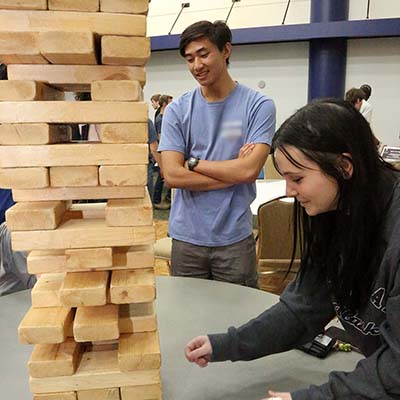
(346,165)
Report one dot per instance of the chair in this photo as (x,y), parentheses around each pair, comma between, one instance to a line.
(275,245)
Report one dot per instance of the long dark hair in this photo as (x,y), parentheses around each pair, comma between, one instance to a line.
(345,245)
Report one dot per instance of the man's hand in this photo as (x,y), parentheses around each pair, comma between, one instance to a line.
(199,351)
(278,396)
(246,150)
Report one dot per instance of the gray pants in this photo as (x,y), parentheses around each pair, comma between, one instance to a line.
(235,263)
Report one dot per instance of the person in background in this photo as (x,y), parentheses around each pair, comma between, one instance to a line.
(355,97)
(170,99)
(366,108)
(154,156)
(155,103)
(214,142)
(13,267)
(348,202)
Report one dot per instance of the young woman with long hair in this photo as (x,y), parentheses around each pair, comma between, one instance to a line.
(347,202)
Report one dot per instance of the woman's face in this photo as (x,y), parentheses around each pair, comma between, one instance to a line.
(315,191)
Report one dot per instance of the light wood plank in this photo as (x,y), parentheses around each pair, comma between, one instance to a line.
(93,324)
(23,4)
(55,396)
(75,77)
(77,234)
(148,392)
(24,178)
(139,351)
(75,154)
(45,325)
(20,48)
(84,289)
(74,5)
(74,176)
(82,193)
(125,6)
(33,134)
(46,290)
(124,133)
(137,317)
(99,394)
(116,91)
(132,286)
(97,370)
(66,112)
(123,50)
(100,23)
(129,212)
(77,259)
(54,359)
(86,211)
(68,47)
(123,175)
(135,257)
(28,91)
(35,216)
(46,262)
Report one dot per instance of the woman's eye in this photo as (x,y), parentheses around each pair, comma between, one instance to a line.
(297,180)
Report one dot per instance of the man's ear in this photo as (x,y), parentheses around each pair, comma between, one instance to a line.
(227,50)
(346,165)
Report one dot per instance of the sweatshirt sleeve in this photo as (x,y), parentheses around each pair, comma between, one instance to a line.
(375,377)
(302,312)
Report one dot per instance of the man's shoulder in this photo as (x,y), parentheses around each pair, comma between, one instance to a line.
(252,93)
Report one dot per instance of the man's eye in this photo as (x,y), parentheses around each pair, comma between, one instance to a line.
(204,55)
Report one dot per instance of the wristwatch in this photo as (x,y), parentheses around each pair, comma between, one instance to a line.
(192,162)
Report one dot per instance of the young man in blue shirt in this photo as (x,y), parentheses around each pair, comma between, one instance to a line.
(214,142)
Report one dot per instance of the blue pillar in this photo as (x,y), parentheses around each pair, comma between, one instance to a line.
(327,57)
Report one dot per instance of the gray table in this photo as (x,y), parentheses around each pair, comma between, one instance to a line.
(186,308)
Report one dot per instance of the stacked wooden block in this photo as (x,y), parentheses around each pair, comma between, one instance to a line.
(92,321)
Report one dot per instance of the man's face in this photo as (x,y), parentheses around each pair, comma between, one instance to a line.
(155,104)
(205,62)
(358,104)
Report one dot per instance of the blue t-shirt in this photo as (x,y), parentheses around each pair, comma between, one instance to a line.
(215,131)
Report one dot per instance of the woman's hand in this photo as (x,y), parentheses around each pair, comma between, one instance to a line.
(246,150)
(199,351)
(278,396)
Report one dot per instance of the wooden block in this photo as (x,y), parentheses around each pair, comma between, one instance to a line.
(99,394)
(28,91)
(55,396)
(33,134)
(139,351)
(124,133)
(74,176)
(68,47)
(85,193)
(46,262)
(85,233)
(123,175)
(125,6)
(46,290)
(99,23)
(116,91)
(35,216)
(97,370)
(84,289)
(124,50)
(86,211)
(129,212)
(24,178)
(148,392)
(88,258)
(20,48)
(67,112)
(132,286)
(137,317)
(135,257)
(92,324)
(45,325)
(23,4)
(75,77)
(54,359)
(75,154)
(74,5)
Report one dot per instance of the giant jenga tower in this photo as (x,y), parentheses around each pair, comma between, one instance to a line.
(92,321)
